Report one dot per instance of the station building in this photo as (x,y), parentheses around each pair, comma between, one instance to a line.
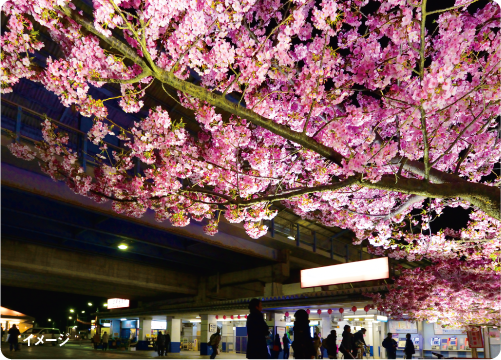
(10,317)
(191,324)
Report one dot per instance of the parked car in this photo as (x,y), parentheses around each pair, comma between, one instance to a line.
(47,333)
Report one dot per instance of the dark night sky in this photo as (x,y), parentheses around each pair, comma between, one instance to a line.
(43,305)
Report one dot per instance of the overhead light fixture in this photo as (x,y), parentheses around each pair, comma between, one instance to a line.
(90,304)
(291,237)
(70,318)
(122,247)
(83,311)
(195,321)
(71,310)
(123,319)
(50,320)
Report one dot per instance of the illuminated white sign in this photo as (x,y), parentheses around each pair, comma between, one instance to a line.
(365,270)
(158,325)
(381,318)
(118,303)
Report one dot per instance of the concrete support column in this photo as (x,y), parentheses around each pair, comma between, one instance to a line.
(273,289)
(205,332)
(144,328)
(174,330)
(227,337)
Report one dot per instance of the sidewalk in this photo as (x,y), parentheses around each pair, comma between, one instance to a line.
(75,350)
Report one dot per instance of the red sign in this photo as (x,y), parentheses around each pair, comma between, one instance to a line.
(475,339)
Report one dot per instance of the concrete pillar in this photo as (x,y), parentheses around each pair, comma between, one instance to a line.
(205,332)
(325,325)
(144,328)
(273,289)
(227,337)
(174,330)
(115,328)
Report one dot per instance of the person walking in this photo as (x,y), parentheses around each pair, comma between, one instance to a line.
(214,341)
(257,330)
(331,345)
(359,341)
(286,343)
(391,346)
(13,337)
(161,344)
(1,334)
(167,343)
(347,343)
(317,344)
(409,347)
(277,347)
(96,339)
(303,343)
(105,341)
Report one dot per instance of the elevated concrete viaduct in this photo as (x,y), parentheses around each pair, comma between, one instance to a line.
(57,240)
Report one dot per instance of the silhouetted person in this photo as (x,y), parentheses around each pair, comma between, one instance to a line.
(409,347)
(358,339)
(96,339)
(347,343)
(161,344)
(167,343)
(331,345)
(257,330)
(215,343)
(13,337)
(391,346)
(277,347)
(303,343)
(105,341)
(287,343)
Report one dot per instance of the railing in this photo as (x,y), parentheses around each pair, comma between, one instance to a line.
(228,344)
(26,124)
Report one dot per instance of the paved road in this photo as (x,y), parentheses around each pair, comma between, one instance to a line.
(76,351)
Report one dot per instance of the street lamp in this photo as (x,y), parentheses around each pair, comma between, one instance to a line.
(83,311)
(70,318)
(71,310)
(90,304)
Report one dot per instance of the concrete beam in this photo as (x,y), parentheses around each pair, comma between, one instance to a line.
(67,270)
(33,182)
(264,274)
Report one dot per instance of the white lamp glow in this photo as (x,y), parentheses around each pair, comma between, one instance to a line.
(365,270)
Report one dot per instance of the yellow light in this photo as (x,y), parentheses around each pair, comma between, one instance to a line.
(83,311)
(70,318)
(71,310)
(49,320)
(122,246)
(105,304)
(90,304)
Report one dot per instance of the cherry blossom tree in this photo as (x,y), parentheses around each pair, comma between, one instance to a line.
(348,117)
